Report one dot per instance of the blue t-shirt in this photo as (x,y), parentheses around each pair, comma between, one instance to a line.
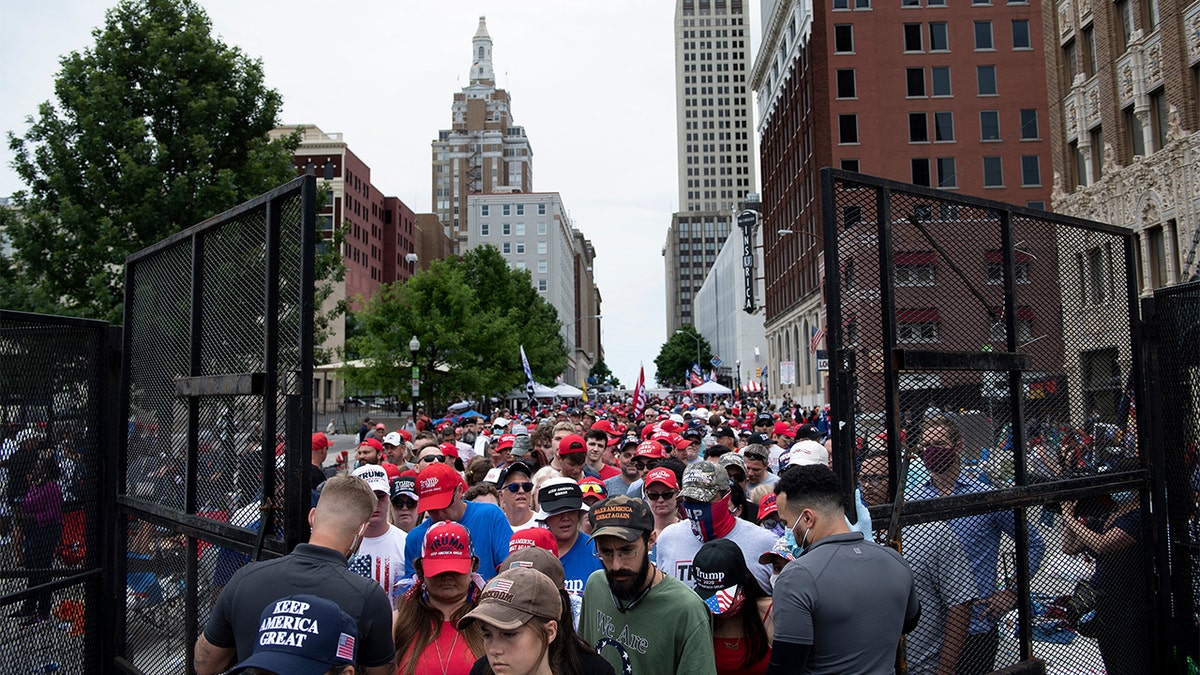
(578,564)
(489,530)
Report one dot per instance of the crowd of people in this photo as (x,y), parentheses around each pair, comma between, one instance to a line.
(582,540)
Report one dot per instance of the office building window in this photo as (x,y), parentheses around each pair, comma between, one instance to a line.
(943,126)
(1088,39)
(912,37)
(843,38)
(1070,61)
(541,268)
(520,229)
(1137,145)
(850,165)
(993,172)
(1029,124)
(1097,137)
(1158,118)
(541,285)
(845,83)
(1031,172)
(520,247)
(920,171)
(939,37)
(520,209)
(483,209)
(506,209)
(847,128)
(915,78)
(918,127)
(841,4)
(986,76)
(947,173)
(989,125)
(541,247)
(1124,11)
(940,76)
(935,3)
(1020,34)
(484,229)
(983,35)
(541,228)
(505,229)
(506,247)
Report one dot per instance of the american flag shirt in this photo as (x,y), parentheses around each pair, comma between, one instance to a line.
(381,558)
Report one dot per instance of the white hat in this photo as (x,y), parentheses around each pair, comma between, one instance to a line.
(500,422)
(807,452)
(702,413)
(375,476)
(678,419)
(393,439)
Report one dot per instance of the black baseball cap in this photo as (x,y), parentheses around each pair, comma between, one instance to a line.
(718,569)
(625,517)
(724,432)
(515,467)
(808,431)
(758,439)
(764,418)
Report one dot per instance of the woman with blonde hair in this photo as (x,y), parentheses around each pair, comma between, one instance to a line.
(425,622)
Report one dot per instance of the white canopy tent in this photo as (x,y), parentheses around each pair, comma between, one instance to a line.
(567,391)
(712,387)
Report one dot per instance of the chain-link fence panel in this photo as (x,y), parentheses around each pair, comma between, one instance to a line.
(219,332)
(1174,370)
(52,421)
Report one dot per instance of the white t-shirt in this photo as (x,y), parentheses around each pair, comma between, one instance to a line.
(532,522)
(381,558)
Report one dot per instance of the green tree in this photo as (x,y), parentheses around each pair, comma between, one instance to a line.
(601,375)
(678,354)
(471,315)
(156,127)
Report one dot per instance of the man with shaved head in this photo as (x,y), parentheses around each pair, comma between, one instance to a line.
(317,568)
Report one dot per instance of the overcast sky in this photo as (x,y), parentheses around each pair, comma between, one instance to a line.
(591,82)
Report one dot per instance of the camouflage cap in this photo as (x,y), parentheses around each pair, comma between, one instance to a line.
(704,481)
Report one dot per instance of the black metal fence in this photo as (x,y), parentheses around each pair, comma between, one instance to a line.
(1173,375)
(56,376)
(212,469)
(985,360)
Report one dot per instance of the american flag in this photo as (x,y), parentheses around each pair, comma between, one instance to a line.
(345,648)
(640,399)
(720,602)
(817,336)
(503,585)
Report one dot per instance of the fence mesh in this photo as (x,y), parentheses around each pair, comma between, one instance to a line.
(251,304)
(51,403)
(966,277)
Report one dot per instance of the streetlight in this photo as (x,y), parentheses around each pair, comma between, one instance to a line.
(694,337)
(414,346)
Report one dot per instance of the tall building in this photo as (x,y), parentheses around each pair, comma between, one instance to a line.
(937,93)
(534,232)
(483,151)
(1124,81)
(715,143)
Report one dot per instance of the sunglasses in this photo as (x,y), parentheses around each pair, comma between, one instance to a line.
(592,489)
(655,496)
(641,464)
(433,458)
(403,503)
(519,487)
(770,523)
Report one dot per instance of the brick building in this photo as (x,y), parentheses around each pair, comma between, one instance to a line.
(923,91)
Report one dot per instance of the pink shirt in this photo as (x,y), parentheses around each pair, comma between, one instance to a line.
(448,654)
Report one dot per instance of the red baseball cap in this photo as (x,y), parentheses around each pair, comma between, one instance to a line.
(663,476)
(767,506)
(447,548)
(449,449)
(649,449)
(406,435)
(784,429)
(679,441)
(320,441)
(531,537)
(435,486)
(593,487)
(506,442)
(381,425)
(572,444)
(374,443)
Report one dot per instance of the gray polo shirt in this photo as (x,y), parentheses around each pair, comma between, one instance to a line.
(849,599)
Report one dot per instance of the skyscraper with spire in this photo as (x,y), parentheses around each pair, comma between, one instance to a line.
(482,151)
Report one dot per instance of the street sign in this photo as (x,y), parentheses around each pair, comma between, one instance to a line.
(416,387)
(823,360)
(716,361)
(747,219)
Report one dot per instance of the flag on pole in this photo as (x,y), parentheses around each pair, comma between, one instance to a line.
(639,394)
(695,375)
(817,336)
(528,374)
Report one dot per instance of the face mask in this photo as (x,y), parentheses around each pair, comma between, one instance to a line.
(1123,497)
(710,520)
(789,539)
(938,458)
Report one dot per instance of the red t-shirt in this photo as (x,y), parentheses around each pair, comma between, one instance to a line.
(448,654)
(608,471)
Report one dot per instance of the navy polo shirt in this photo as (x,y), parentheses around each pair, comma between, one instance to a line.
(310,570)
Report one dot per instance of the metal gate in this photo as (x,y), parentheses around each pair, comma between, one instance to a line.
(57,382)
(217,365)
(984,365)
(1173,375)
